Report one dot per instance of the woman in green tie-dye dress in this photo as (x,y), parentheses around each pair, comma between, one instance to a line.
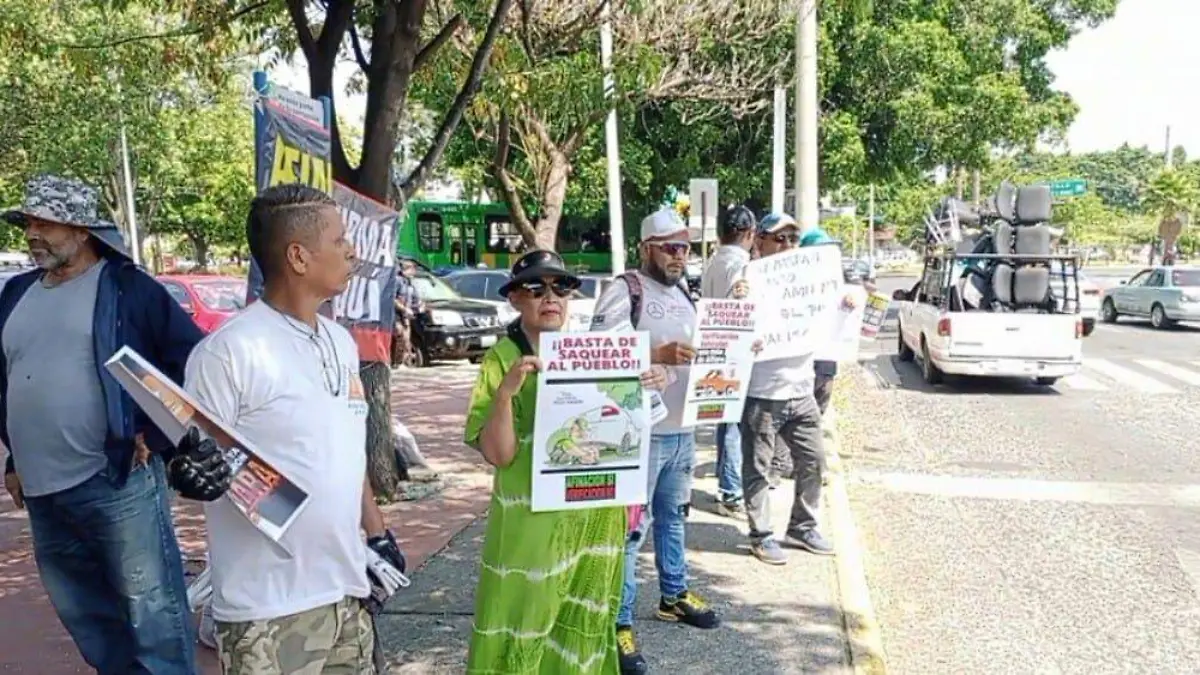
(550,582)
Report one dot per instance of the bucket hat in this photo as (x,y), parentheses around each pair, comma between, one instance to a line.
(537,265)
(66,201)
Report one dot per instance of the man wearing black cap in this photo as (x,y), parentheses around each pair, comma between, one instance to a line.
(83,459)
(724,277)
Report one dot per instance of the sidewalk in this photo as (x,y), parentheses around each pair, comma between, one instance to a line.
(775,619)
(432,402)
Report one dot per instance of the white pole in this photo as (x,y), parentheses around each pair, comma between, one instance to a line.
(130,209)
(1167,157)
(807,193)
(615,217)
(779,161)
(871,226)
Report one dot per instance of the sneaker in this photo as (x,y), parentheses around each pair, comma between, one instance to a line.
(630,658)
(732,508)
(769,551)
(809,540)
(689,609)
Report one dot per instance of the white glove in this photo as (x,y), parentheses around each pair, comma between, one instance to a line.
(384,577)
(199,593)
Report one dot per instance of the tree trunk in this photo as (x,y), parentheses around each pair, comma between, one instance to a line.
(554,196)
(200,245)
(381,456)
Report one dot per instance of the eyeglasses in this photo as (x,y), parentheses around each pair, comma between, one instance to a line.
(792,238)
(561,287)
(672,248)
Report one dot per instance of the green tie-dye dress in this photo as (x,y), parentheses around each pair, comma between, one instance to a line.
(550,582)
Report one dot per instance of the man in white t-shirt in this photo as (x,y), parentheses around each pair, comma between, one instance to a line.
(287,380)
(655,299)
(724,277)
(781,408)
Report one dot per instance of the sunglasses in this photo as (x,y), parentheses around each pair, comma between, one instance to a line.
(672,248)
(792,238)
(561,288)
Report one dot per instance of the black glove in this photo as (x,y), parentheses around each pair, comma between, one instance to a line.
(387,548)
(199,470)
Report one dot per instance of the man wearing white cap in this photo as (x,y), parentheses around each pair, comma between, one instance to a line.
(655,299)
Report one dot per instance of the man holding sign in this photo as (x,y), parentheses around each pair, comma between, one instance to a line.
(781,408)
(655,299)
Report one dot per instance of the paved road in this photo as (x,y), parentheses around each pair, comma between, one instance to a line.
(1011,528)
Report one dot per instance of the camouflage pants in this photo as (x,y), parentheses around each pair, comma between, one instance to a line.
(331,640)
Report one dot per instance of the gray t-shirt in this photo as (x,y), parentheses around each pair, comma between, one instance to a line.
(56,416)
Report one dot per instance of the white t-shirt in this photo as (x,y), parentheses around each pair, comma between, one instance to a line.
(723,270)
(669,316)
(264,375)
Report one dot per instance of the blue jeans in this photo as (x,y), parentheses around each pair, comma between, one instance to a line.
(729,462)
(112,568)
(672,457)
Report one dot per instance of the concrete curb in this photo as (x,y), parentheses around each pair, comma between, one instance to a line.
(864,638)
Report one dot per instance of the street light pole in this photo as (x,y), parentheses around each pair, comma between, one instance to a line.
(130,209)
(616,222)
(779,154)
(807,192)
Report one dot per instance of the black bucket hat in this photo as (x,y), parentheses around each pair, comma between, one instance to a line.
(537,265)
(67,201)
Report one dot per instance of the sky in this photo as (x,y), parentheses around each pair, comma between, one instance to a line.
(1132,77)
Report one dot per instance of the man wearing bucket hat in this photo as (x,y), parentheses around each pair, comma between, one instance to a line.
(655,299)
(83,459)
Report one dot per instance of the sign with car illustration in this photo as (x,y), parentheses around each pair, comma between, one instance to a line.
(724,357)
(591,436)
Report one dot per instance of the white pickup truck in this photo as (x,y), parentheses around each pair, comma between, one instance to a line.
(1045,347)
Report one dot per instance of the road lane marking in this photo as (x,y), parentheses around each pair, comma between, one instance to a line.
(1083,382)
(1191,377)
(1030,490)
(1129,378)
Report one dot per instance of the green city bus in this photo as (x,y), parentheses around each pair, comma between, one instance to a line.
(463,234)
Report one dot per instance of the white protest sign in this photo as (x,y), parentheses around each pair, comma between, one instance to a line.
(718,377)
(591,433)
(847,327)
(797,293)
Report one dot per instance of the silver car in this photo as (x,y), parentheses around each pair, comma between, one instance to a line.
(1163,294)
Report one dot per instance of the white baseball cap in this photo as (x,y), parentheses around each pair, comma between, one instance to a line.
(663,223)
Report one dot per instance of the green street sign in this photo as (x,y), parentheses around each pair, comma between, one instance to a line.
(1071,187)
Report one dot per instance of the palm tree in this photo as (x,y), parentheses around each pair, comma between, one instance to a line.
(1172,196)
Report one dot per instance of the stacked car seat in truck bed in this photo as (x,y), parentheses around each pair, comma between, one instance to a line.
(1023,229)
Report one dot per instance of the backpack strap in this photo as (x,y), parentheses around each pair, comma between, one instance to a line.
(635,296)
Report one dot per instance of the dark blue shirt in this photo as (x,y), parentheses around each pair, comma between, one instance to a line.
(132,309)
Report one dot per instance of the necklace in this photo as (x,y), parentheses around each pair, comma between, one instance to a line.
(331,365)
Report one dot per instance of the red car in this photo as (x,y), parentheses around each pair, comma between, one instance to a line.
(209,299)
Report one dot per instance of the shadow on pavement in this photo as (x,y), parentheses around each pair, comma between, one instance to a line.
(774,619)
(910,379)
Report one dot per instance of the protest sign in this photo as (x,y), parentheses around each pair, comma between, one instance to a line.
(367,307)
(847,327)
(717,379)
(797,294)
(290,148)
(292,144)
(875,313)
(591,436)
(267,498)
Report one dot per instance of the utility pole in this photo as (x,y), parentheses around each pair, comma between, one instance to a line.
(616,223)
(975,188)
(1167,158)
(779,158)
(871,226)
(130,208)
(807,192)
